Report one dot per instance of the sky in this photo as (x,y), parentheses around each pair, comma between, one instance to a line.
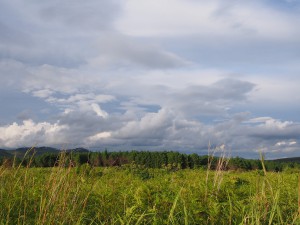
(151,75)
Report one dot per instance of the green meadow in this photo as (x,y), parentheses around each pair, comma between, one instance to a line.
(133,194)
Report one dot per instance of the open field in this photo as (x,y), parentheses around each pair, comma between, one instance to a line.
(134,195)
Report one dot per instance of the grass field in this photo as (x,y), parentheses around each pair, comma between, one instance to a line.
(135,195)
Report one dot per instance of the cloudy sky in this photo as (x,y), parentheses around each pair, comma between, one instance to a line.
(151,75)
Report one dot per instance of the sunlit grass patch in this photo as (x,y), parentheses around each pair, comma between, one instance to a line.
(131,195)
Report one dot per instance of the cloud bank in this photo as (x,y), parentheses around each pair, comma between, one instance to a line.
(151,75)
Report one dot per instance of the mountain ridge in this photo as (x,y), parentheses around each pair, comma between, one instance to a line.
(21,152)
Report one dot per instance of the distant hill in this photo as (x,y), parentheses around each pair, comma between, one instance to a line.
(20,152)
(4,153)
(287,160)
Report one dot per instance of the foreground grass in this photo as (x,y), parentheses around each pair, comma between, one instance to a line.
(129,195)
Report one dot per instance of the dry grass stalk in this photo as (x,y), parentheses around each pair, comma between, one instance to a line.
(220,167)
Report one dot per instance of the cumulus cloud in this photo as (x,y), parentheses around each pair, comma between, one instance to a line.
(79,101)
(142,74)
(163,129)
(274,129)
(148,127)
(98,137)
(42,93)
(98,110)
(30,133)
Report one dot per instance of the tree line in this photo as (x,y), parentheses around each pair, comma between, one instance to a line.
(147,159)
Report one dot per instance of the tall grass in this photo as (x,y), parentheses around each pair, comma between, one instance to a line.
(42,196)
(85,195)
(219,170)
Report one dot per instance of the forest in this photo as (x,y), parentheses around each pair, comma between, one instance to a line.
(48,157)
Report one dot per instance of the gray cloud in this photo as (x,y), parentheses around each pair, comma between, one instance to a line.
(152,126)
(65,35)
(52,32)
(116,50)
(196,100)
(96,15)
(134,75)
(25,115)
(214,99)
(276,129)
(164,129)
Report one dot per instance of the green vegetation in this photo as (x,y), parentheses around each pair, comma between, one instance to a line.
(134,193)
(47,157)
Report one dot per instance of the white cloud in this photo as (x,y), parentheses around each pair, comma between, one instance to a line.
(259,120)
(285,143)
(270,123)
(30,133)
(79,99)
(42,93)
(98,137)
(152,18)
(99,111)
(207,18)
(151,126)
(269,85)
(170,74)
(163,129)
(275,124)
